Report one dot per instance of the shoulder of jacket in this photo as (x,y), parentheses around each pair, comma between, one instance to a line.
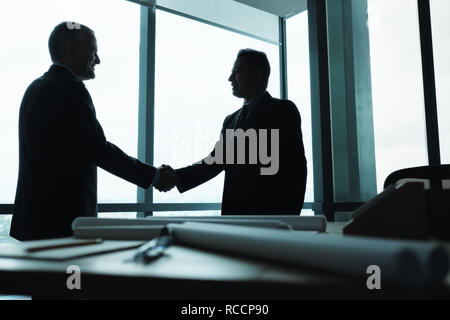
(282,106)
(231,116)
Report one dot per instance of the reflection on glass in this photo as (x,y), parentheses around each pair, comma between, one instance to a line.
(25,27)
(299,84)
(440,24)
(398,100)
(193,95)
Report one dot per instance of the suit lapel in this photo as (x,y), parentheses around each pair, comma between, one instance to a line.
(258,118)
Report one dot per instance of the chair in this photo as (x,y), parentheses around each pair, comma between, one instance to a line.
(435,177)
(436,180)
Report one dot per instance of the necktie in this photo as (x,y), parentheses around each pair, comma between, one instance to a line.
(242,118)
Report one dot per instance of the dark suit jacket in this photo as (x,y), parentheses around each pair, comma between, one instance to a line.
(61,143)
(246,191)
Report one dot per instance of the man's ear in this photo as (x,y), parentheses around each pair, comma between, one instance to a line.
(260,76)
(74,50)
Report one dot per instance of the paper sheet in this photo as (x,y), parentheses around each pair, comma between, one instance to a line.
(19,250)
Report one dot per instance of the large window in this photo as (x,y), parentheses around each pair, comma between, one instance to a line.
(440,24)
(398,99)
(193,60)
(193,95)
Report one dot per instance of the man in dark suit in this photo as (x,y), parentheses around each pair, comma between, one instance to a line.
(247,190)
(61,143)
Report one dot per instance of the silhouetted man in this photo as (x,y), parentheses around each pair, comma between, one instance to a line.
(255,187)
(61,143)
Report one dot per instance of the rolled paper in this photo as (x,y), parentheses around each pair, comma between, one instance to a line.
(400,262)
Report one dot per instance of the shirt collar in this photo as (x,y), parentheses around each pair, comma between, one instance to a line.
(68,69)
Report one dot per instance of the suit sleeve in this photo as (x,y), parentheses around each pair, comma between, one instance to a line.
(86,135)
(293,170)
(200,172)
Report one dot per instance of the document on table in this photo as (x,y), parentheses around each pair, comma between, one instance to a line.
(63,249)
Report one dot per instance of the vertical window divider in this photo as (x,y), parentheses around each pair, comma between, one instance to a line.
(146,126)
(320,109)
(429,82)
(283,58)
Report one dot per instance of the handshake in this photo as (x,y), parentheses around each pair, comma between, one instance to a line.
(167,179)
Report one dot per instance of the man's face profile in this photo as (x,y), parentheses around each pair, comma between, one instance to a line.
(87,58)
(240,78)
(244,79)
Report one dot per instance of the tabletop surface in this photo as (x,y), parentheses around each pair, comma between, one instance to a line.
(185,272)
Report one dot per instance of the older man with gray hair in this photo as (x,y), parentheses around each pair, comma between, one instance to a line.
(61,143)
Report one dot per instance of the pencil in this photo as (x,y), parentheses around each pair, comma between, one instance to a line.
(64,245)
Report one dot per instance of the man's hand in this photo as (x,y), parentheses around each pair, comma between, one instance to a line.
(167,179)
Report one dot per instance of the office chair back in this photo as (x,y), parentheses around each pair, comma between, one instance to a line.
(437,184)
(436,177)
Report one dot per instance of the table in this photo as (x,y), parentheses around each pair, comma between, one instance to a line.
(190,273)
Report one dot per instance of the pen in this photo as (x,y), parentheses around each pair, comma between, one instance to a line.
(153,249)
(64,245)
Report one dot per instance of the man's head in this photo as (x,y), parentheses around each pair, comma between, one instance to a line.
(250,74)
(75,46)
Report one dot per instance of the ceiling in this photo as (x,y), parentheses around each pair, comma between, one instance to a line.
(281,8)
